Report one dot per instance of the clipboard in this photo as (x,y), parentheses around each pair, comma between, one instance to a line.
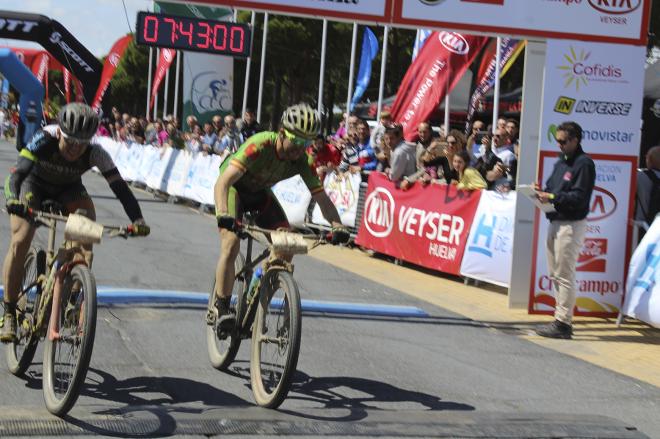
(528,191)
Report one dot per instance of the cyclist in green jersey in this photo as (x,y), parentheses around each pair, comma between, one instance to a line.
(245,182)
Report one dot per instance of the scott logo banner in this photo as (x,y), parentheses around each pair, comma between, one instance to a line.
(437,69)
(427,226)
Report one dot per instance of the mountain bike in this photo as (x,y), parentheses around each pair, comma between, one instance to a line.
(57,303)
(268,310)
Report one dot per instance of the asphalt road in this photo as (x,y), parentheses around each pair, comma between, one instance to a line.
(440,376)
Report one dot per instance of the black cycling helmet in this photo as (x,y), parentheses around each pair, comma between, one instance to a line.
(302,120)
(78,122)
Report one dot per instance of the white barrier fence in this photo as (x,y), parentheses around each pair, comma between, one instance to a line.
(175,172)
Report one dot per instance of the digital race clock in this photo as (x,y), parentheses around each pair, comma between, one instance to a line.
(192,33)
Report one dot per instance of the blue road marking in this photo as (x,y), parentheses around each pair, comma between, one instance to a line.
(116,296)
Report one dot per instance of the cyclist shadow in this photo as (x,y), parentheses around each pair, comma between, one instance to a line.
(352,396)
(140,391)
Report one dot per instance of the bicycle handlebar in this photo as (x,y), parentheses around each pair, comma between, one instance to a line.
(39,217)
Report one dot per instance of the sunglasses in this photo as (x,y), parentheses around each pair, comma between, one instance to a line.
(297,141)
(563,142)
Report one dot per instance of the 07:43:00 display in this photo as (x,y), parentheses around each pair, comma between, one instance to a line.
(221,37)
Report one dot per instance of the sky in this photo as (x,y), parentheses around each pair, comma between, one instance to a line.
(97,24)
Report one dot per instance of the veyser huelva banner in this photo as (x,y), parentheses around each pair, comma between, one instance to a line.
(427,226)
(437,69)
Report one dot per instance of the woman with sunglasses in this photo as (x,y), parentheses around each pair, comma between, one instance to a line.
(245,182)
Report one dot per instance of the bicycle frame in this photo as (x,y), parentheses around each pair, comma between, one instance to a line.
(273,263)
(59,265)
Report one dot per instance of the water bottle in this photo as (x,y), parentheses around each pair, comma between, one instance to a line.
(254,283)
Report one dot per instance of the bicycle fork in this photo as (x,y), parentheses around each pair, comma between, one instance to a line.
(54,323)
(56,309)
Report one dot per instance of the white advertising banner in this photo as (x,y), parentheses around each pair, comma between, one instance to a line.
(294,197)
(150,155)
(643,286)
(178,176)
(369,10)
(156,177)
(599,86)
(489,247)
(344,191)
(207,85)
(601,265)
(622,21)
(201,179)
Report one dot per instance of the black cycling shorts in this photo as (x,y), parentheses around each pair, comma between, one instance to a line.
(269,213)
(34,191)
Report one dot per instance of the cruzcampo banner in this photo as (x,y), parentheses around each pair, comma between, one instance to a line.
(208,80)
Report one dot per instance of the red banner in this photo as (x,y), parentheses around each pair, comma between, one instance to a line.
(166,58)
(67,85)
(427,226)
(40,66)
(111,63)
(437,69)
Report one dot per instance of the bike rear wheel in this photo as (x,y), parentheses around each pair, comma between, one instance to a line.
(275,339)
(66,360)
(21,352)
(222,350)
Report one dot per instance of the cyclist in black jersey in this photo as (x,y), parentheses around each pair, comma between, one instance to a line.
(244,185)
(50,166)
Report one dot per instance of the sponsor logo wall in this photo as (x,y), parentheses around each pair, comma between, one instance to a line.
(620,21)
(602,262)
(598,86)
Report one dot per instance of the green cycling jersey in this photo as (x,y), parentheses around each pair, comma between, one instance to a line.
(257,158)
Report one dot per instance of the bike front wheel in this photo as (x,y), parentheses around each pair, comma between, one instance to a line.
(275,339)
(222,348)
(21,352)
(66,360)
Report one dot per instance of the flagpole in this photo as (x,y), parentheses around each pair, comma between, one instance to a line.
(447,112)
(382,71)
(319,105)
(350,72)
(496,93)
(176,83)
(167,87)
(156,97)
(247,71)
(262,68)
(151,53)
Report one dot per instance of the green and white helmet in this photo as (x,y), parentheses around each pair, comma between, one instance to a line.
(302,120)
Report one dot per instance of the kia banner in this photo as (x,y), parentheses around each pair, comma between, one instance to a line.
(427,226)
(489,248)
(600,86)
(619,21)
(111,63)
(164,62)
(435,72)
(602,262)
